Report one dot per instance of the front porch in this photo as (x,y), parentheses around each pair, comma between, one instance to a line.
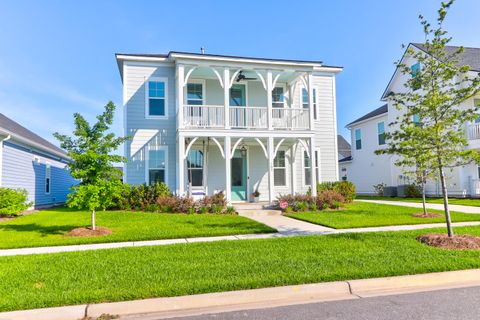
(239,165)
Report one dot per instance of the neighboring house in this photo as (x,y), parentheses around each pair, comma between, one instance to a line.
(366,169)
(32,163)
(206,123)
(344,155)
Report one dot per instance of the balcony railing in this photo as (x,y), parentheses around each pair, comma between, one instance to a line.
(245,117)
(473,131)
(291,118)
(248,117)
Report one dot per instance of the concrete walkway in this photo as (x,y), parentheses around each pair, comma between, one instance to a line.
(435,206)
(284,225)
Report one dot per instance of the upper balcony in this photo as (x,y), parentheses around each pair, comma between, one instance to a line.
(245,117)
(243,98)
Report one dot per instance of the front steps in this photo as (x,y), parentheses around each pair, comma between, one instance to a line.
(251,205)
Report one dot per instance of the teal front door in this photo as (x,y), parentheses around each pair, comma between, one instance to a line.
(239,177)
(238,100)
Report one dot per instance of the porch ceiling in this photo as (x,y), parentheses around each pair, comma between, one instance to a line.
(202,72)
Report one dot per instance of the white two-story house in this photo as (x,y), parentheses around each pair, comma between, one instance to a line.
(366,169)
(206,123)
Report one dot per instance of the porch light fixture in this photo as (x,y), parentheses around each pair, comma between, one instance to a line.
(243,151)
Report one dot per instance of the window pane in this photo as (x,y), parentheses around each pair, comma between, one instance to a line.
(358,134)
(278,97)
(279,178)
(157,107)
(305,98)
(156,89)
(195,176)
(195,159)
(381,127)
(358,144)
(194,94)
(279,160)
(306,160)
(237,95)
(314,103)
(308,176)
(156,175)
(237,172)
(156,159)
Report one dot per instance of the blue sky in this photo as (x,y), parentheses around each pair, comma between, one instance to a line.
(57,57)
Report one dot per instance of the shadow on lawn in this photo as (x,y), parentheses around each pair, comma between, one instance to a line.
(38,228)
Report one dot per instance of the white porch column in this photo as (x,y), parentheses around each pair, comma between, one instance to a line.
(292,166)
(271,156)
(313,176)
(310,99)
(179,86)
(228,169)
(181,166)
(226,96)
(269,99)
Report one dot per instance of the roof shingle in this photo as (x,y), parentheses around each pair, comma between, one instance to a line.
(383,109)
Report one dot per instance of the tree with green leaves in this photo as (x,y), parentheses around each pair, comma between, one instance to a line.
(91,151)
(430,128)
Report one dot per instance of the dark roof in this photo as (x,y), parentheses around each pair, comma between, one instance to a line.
(167,55)
(16,129)
(469,56)
(346,159)
(383,109)
(344,148)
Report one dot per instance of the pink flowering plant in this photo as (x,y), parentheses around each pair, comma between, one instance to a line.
(283,205)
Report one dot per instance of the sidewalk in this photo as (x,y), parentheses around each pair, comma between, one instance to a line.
(320,231)
(157,308)
(435,206)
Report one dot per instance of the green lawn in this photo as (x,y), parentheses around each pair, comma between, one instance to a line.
(364,214)
(47,280)
(459,201)
(48,228)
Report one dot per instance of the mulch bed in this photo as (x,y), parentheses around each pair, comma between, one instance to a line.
(429,215)
(457,242)
(88,232)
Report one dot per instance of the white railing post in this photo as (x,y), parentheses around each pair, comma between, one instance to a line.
(180,84)
(226,96)
(310,101)
(269,100)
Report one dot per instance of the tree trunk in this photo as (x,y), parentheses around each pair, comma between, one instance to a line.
(445,203)
(93,219)
(423,197)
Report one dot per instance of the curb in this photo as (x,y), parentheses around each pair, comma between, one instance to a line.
(259,298)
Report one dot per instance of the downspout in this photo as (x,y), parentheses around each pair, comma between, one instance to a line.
(1,157)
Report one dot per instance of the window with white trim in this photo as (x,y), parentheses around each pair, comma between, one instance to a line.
(195,167)
(305,98)
(278,101)
(48,178)
(476,103)
(358,139)
(279,169)
(314,103)
(156,98)
(381,133)
(157,164)
(307,167)
(195,93)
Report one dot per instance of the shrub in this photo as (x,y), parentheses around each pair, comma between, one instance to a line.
(345,188)
(165,204)
(230,210)
(203,210)
(412,191)
(301,206)
(330,199)
(216,209)
(12,202)
(379,188)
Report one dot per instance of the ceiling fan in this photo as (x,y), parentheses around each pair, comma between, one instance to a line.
(241,77)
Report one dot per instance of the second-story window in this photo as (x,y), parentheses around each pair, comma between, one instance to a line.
(358,139)
(381,133)
(315,103)
(305,98)
(278,102)
(156,98)
(195,94)
(48,178)
(279,169)
(414,71)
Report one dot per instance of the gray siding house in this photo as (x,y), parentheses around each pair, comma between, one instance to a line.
(205,123)
(29,162)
